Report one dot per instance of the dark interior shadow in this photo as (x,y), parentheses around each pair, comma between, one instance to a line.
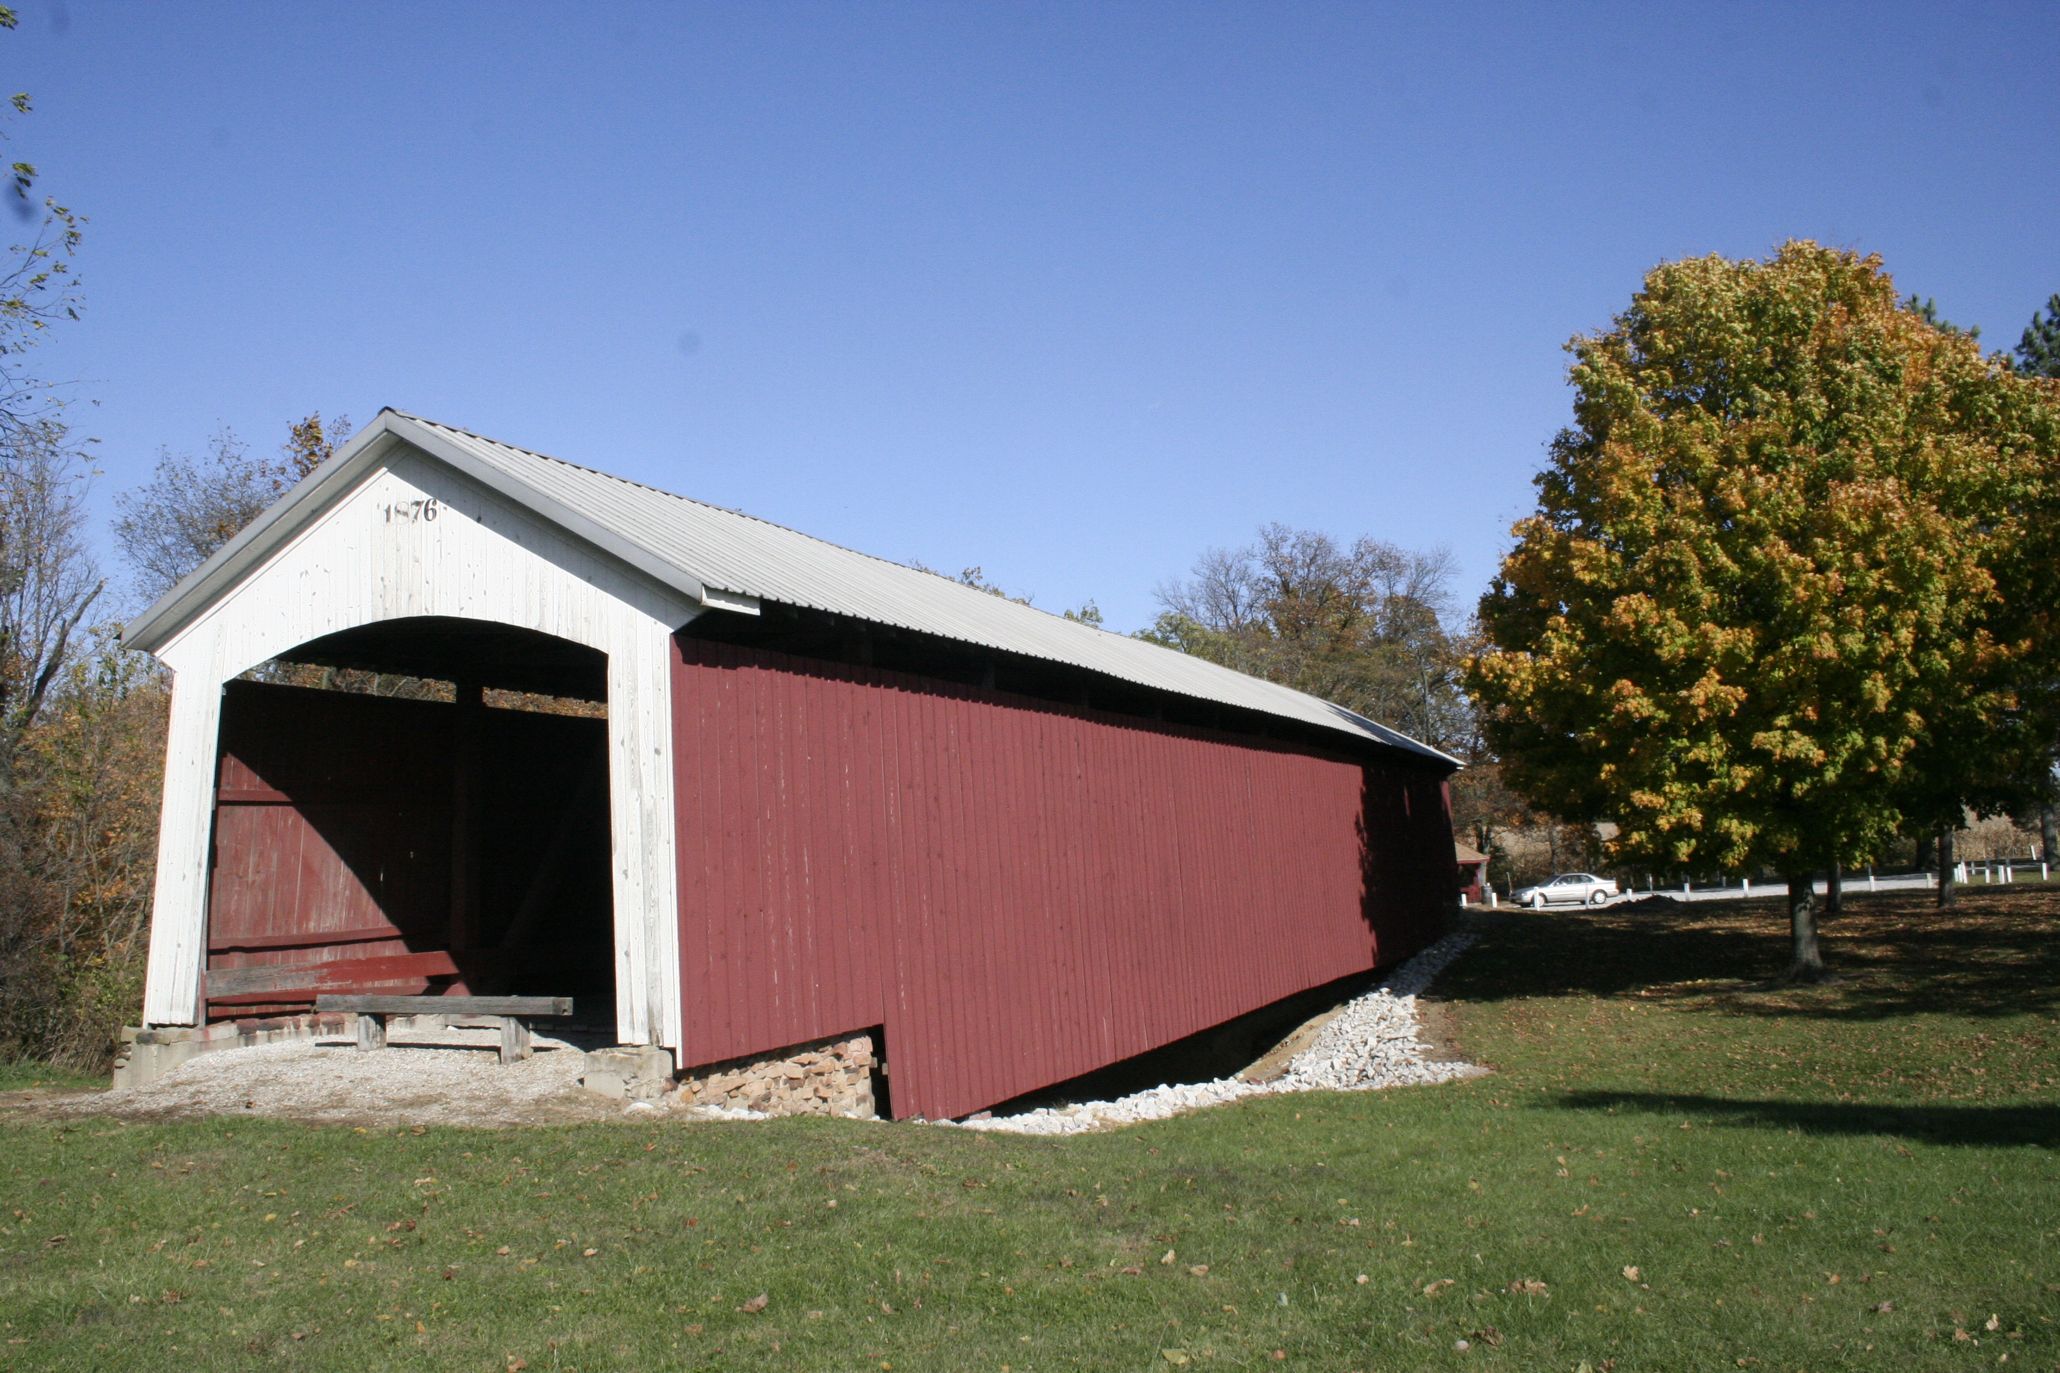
(1980,1125)
(1409,879)
(363,833)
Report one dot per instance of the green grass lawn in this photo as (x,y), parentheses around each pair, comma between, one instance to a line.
(17,1077)
(1674,1167)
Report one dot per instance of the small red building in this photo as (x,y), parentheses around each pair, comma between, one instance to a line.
(778,792)
(1473,872)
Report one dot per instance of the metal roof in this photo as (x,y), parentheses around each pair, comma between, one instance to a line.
(705,550)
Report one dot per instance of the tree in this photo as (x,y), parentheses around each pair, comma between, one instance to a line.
(39,288)
(1926,309)
(1776,567)
(191,505)
(78,837)
(81,723)
(47,578)
(2038,351)
(1361,625)
(2038,355)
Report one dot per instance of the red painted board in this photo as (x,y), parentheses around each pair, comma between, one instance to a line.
(1016,891)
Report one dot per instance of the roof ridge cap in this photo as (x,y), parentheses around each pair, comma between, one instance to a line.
(741,514)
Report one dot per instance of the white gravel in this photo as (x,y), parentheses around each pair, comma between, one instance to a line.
(1372,1042)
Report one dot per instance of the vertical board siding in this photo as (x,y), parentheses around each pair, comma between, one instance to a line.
(1017,892)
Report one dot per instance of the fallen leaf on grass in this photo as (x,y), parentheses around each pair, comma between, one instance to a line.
(1992,1324)
(1431,1289)
(754,1306)
(1882,1308)
(1174,1356)
(1167,1257)
(1528,1287)
(1200,1270)
(1131,1271)
(1630,1272)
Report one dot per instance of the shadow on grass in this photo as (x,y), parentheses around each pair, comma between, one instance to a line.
(1995,955)
(2036,1125)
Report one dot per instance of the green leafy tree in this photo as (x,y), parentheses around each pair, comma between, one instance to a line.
(1776,569)
(2038,355)
(2038,351)
(1926,309)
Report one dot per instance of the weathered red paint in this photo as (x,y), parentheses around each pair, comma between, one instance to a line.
(1017,892)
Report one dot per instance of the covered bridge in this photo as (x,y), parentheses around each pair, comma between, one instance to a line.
(810,793)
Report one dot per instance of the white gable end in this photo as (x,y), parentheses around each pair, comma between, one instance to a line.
(414,538)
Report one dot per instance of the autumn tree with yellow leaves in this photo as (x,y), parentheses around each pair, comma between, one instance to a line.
(1776,600)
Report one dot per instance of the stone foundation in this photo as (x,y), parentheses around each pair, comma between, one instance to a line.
(147,1052)
(628,1072)
(832,1077)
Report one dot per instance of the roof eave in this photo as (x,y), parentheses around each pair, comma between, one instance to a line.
(193,593)
(369,448)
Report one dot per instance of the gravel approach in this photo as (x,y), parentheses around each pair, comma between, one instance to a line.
(444,1076)
(454,1077)
(1373,1041)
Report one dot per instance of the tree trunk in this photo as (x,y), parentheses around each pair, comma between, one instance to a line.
(1808,963)
(1946,893)
(1834,892)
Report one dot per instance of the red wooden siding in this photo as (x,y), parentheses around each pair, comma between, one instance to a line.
(333,861)
(1018,892)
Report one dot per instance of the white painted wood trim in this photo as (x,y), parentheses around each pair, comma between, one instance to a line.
(640,809)
(178,926)
(718,599)
(481,557)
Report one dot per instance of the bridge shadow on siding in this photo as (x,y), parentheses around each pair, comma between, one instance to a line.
(1963,1125)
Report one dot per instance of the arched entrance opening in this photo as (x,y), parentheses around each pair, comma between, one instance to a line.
(413,806)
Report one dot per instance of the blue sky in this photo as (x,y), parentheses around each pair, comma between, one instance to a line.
(1072,292)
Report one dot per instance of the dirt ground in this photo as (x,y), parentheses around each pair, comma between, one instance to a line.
(453,1077)
(423,1077)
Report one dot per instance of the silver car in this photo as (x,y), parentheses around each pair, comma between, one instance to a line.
(1575,887)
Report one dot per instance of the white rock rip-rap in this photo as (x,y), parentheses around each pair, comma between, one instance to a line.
(1371,1043)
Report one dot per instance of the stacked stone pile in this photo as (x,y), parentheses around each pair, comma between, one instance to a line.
(833,1078)
(1371,1043)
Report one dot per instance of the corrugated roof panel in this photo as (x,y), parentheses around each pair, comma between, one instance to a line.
(730,551)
